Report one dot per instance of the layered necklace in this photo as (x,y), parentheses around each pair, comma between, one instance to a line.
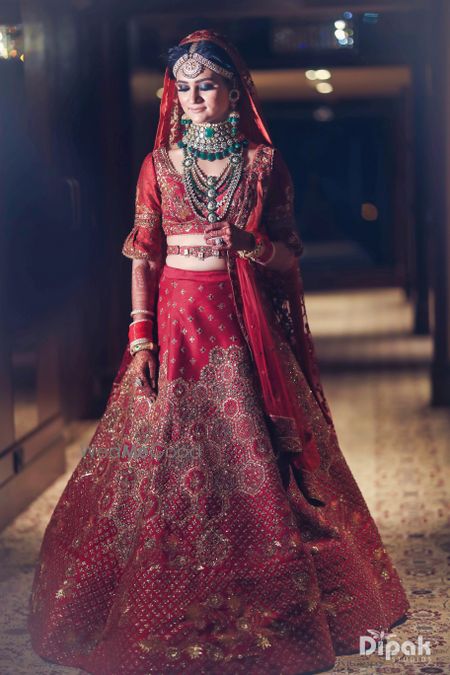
(212,141)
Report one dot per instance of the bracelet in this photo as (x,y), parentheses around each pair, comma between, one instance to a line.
(133,323)
(140,341)
(141,348)
(263,251)
(144,344)
(255,250)
(137,346)
(265,260)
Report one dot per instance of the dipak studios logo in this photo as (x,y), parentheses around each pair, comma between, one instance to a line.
(382,644)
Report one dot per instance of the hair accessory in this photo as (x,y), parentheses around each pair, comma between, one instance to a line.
(191,67)
(193,63)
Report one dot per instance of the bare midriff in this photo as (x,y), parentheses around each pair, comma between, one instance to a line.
(190,262)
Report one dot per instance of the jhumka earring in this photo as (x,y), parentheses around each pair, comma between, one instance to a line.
(185,121)
(234,117)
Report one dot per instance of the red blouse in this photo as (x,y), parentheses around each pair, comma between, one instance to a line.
(163,209)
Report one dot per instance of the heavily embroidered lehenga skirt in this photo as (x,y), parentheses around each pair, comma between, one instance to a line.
(177,546)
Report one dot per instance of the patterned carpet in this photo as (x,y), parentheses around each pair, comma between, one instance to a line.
(375,376)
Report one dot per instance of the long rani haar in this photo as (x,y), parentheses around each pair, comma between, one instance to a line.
(212,141)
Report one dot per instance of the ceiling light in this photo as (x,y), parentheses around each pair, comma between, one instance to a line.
(323,74)
(324,87)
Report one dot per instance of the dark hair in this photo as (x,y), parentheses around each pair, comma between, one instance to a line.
(207,49)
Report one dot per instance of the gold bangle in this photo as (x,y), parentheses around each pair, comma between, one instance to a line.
(142,311)
(254,253)
(134,348)
(272,256)
(140,341)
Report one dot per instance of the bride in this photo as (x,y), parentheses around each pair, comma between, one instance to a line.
(213,524)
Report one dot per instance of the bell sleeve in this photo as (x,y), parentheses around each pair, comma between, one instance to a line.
(278,218)
(146,238)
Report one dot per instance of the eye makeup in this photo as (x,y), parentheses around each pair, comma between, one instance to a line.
(203,86)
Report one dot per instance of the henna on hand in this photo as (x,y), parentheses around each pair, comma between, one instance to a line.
(235,238)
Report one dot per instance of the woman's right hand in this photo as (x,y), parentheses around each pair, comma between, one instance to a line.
(144,366)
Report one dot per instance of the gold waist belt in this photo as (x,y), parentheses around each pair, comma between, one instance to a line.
(197,251)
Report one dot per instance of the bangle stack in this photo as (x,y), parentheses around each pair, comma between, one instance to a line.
(140,333)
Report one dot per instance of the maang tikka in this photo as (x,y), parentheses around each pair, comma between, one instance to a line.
(192,64)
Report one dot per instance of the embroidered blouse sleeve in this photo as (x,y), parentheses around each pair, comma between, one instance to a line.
(146,238)
(278,214)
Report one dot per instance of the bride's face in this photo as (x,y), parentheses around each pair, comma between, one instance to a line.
(204,98)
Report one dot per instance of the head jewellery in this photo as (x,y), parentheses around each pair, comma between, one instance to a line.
(193,63)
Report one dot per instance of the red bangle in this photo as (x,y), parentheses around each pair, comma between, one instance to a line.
(140,329)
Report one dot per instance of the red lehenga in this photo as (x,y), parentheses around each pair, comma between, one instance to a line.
(218,529)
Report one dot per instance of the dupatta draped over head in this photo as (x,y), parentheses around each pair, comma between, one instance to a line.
(270,304)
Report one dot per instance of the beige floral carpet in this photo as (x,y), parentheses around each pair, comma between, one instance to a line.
(376,377)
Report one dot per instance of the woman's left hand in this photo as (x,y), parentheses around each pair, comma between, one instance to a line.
(235,239)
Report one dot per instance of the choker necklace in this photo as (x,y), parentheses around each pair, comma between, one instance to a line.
(211,196)
(212,140)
